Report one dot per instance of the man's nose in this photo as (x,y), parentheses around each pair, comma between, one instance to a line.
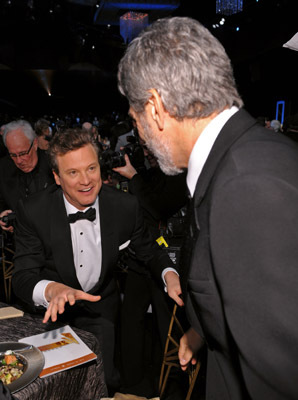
(18,159)
(85,179)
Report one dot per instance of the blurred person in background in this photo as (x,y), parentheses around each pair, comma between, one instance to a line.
(24,170)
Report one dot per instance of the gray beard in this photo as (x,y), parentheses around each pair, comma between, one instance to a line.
(163,157)
(160,150)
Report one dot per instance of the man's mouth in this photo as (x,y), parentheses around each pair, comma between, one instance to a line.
(86,190)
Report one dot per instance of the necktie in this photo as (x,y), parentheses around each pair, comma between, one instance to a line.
(90,214)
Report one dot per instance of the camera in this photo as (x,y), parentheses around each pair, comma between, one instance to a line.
(110,159)
(9,219)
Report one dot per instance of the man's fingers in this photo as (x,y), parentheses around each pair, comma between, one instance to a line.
(86,296)
(48,313)
(61,305)
(57,304)
(175,296)
(54,313)
(46,316)
(179,301)
(71,299)
(95,298)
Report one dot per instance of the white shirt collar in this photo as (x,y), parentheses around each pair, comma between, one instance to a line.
(203,146)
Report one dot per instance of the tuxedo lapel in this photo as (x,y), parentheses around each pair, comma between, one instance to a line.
(61,242)
(107,227)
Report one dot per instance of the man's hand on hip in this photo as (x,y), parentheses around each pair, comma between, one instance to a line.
(58,294)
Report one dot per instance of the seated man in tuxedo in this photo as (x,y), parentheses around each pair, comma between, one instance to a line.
(24,170)
(67,265)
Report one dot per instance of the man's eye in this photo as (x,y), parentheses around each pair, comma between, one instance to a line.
(72,173)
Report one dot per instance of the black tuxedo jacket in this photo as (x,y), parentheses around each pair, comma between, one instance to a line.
(44,248)
(15,184)
(242,281)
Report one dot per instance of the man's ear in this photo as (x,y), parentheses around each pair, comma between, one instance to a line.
(156,109)
(35,143)
(56,176)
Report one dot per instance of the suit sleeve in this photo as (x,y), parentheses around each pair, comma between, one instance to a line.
(145,247)
(162,199)
(254,245)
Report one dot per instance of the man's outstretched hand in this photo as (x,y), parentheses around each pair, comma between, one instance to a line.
(58,294)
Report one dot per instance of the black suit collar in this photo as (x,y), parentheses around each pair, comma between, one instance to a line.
(234,128)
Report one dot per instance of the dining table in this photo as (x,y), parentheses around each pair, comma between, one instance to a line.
(83,382)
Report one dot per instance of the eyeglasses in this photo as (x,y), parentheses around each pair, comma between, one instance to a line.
(22,153)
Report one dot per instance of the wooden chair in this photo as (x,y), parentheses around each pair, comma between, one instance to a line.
(7,253)
(170,359)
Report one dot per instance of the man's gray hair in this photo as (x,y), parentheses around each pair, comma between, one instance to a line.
(21,124)
(185,63)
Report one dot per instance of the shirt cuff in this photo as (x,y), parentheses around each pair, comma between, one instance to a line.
(38,296)
(163,276)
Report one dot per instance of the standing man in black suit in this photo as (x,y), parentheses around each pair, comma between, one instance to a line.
(24,170)
(68,241)
(240,273)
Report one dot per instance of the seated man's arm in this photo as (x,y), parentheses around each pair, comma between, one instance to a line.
(154,257)
(29,275)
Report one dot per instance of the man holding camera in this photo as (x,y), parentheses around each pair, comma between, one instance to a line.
(68,240)
(25,170)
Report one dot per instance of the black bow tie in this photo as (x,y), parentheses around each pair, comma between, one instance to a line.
(90,214)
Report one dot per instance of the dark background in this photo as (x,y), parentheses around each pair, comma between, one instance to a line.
(47,46)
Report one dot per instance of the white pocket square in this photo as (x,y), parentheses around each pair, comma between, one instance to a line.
(124,245)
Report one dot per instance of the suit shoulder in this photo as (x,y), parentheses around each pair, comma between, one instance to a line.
(7,166)
(42,197)
(117,197)
(114,192)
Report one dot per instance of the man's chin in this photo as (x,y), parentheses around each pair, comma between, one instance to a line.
(25,170)
(170,170)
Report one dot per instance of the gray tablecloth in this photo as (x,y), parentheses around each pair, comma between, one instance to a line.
(85,382)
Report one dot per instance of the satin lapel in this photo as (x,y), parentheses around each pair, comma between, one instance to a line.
(61,242)
(107,228)
(236,127)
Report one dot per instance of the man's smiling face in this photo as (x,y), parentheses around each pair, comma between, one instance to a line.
(79,176)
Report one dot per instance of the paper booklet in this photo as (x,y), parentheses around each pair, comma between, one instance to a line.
(62,349)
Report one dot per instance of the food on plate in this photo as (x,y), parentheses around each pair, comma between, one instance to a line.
(11,368)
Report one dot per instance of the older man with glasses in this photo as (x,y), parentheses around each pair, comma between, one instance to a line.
(25,170)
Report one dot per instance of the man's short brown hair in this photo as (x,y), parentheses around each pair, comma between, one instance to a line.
(69,140)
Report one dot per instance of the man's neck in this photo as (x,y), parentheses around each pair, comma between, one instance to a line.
(189,130)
